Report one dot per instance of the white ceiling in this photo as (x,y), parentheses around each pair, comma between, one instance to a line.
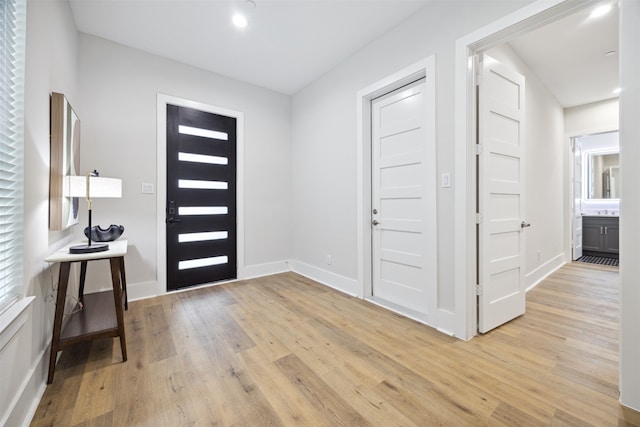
(290,43)
(287,44)
(568,56)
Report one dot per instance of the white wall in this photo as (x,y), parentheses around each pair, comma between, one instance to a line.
(118,87)
(630,204)
(544,172)
(324,138)
(592,118)
(51,59)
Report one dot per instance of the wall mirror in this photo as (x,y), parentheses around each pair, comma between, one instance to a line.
(603,175)
(64,162)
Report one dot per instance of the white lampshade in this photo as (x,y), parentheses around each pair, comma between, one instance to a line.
(98,187)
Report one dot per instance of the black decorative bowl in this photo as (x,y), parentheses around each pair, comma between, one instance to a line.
(99,234)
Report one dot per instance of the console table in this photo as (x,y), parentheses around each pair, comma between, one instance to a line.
(101,314)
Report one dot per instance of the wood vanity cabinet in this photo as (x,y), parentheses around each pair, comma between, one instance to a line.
(600,236)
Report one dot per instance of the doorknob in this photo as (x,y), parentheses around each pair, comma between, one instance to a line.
(172,220)
(525,224)
(374,222)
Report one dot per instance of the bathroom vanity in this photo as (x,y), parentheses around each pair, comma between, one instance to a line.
(600,235)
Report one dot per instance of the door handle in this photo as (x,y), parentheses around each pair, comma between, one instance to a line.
(605,230)
(525,224)
(601,228)
(172,220)
(374,222)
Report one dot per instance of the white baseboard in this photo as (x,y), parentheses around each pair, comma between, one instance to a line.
(327,278)
(446,322)
(142,290)
(266,269)
(533,278)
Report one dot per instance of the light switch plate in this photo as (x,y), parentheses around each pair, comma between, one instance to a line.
(147,188)
(445,180)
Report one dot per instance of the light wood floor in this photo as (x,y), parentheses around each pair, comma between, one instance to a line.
(284,350)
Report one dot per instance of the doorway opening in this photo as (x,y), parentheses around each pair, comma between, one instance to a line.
(525,20)
(596,193)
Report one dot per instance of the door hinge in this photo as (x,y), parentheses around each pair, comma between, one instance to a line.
(478,79)
(478,218)
(478,290)
(477,149)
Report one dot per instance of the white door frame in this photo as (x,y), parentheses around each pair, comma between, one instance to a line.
(523,20)
(424,68)
(161,177)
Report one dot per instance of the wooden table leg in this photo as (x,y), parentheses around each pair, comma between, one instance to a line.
(117,296)
(123,278)
(83,276)
(63,282)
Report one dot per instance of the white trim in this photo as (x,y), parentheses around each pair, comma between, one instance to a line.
(328,278)
(533,278)
(529,17)
(11,323)
(266,269)
(161,159)
(425,68)
(12,319)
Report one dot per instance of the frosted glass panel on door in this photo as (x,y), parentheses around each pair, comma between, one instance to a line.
(202,237)
(205,133)
(203,210)
(202,262)
(202,185)
(201,158)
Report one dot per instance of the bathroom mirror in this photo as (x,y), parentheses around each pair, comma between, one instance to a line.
(603,175)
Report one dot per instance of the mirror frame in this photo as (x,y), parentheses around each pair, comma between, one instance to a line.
(587,160)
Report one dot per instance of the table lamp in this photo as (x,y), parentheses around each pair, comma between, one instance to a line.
(92,186)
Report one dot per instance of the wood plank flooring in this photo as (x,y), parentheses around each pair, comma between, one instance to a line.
(285,351)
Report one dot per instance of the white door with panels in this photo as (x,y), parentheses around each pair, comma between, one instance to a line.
(403,201)
(577,197)
(501,222)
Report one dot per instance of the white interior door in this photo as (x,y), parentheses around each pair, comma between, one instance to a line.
(500,195)
(577,197)
(403,218)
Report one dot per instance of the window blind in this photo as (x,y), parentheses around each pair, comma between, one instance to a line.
(12,51)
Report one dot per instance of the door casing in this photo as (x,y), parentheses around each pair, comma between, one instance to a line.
(161,177)
(467,48)
(424,68)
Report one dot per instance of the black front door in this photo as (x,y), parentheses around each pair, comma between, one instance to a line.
(201,197)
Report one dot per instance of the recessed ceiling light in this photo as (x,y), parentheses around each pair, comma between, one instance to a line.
(616,91)
(600,11)
(610,53)
(239,20)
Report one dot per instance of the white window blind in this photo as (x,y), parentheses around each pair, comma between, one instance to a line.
(12,50)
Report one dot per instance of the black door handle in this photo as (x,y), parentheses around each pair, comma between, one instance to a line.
(172,220)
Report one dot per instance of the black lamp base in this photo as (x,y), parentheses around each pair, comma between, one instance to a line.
(86,249)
